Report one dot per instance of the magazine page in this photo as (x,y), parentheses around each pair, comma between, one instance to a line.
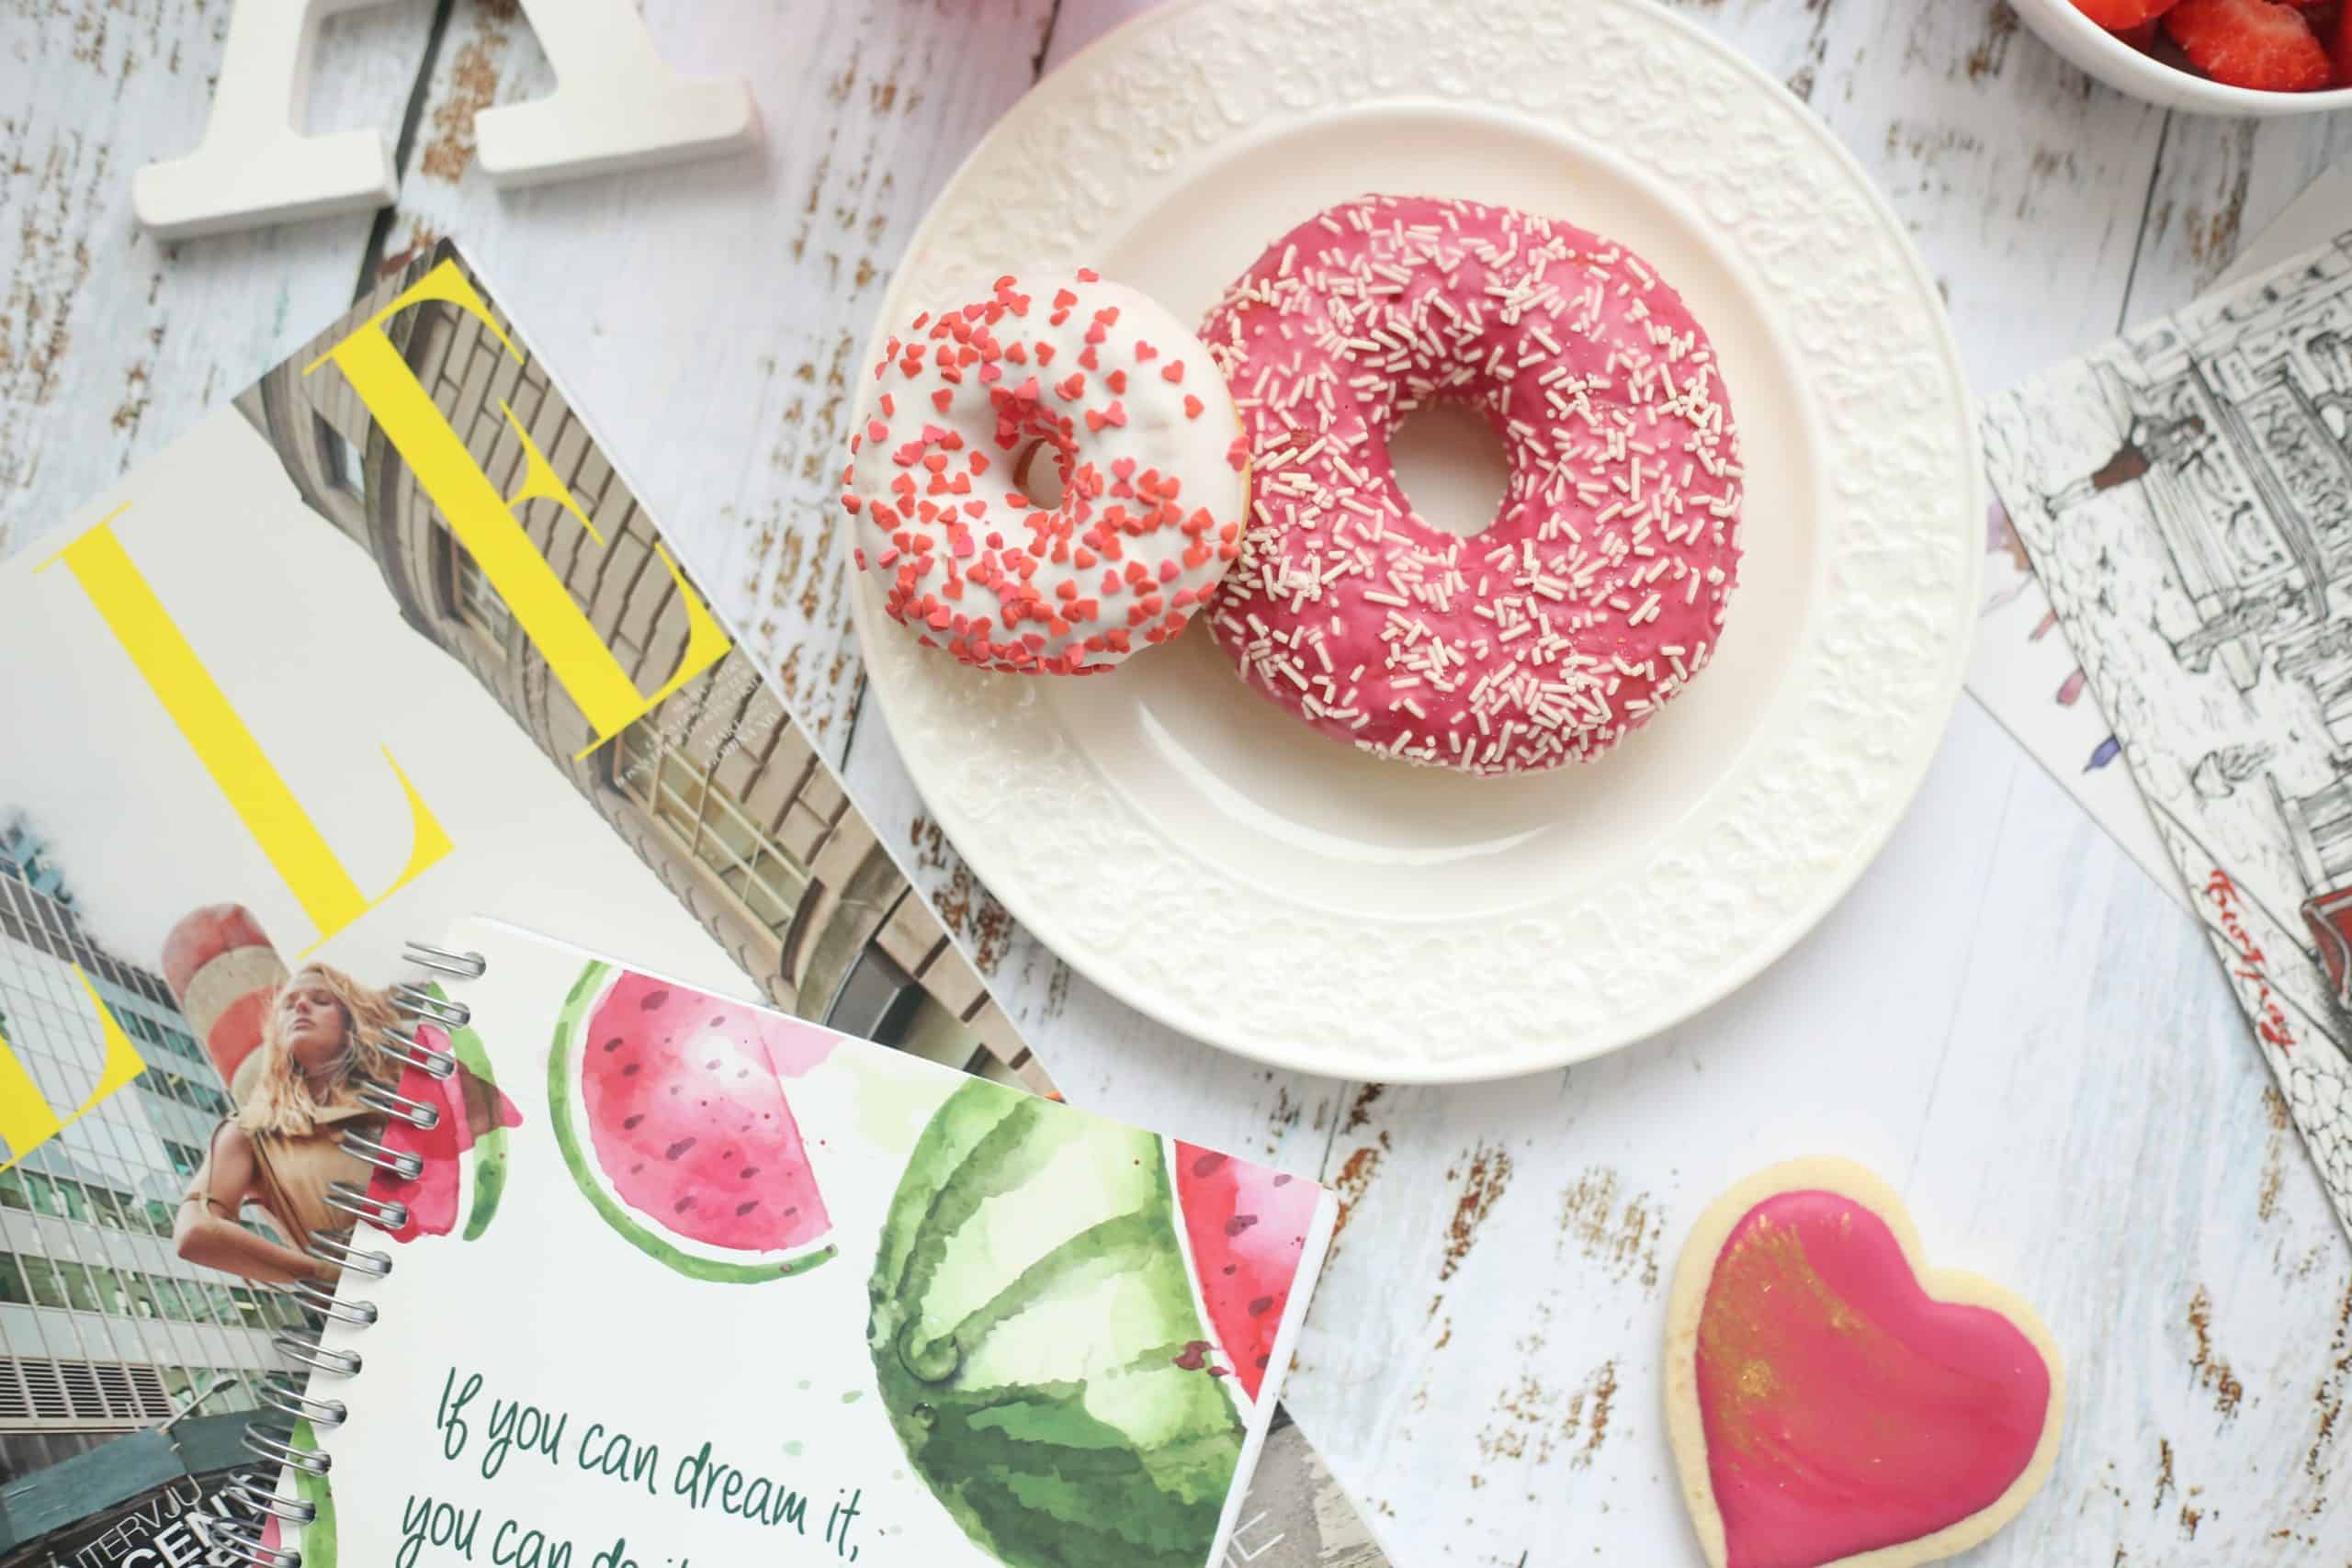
(2185,491)
(384,644)
(2021,667)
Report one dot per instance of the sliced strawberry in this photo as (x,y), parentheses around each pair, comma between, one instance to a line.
(2343,50)
(2262,44)
(2120,16)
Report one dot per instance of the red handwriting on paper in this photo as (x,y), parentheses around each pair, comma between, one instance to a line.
(2247,961)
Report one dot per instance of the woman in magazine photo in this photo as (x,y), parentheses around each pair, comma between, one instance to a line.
(283,1148)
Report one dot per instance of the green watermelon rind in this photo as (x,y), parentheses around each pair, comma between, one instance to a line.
(569,1026)
(1028,1471)
(490,1145)
(319,1535)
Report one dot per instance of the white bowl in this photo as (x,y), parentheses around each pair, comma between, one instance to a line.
(2127,70)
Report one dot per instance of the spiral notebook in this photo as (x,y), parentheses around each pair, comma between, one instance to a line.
(651,1278)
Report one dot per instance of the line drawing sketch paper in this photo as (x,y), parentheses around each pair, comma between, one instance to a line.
(2021,667)
(2185,492)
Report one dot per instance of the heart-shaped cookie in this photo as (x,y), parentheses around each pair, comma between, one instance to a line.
(1834,1404)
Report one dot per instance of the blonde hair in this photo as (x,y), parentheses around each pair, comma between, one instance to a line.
(281,1100)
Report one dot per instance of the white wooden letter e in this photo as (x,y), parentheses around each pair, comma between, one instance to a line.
(616,106)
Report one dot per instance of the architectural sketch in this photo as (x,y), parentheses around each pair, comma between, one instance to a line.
(2186,492)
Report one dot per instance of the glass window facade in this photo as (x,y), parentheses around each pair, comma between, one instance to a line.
(711,825)
(347,469)
(477,601)
(104,1328)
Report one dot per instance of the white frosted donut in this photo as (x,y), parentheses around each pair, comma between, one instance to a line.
(1105,390)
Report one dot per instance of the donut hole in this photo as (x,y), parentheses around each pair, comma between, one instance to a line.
(1037,473)
(1450,462)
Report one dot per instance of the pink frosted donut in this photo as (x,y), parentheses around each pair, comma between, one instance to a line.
(1102,391)
(1599,590)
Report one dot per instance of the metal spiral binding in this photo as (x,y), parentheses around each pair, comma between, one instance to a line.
(234,1535)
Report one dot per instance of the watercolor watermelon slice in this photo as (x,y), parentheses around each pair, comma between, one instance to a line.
(1248,1226)
(490,1145)
(474,1118)
(317,1542)
(1036,1343)
(670,1108)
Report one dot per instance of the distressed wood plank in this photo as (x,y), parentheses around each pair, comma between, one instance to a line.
(110,343)
(2219,183)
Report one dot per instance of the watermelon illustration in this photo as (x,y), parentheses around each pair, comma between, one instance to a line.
(474,1118)
(1037,1342)
(1248,1226)
(670,1108)
(318,1542)
(490,1144)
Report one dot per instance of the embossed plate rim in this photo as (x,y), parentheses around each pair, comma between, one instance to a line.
(921,695)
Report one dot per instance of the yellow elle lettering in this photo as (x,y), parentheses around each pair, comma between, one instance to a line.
(227,749)
(484,521)
(26,1121)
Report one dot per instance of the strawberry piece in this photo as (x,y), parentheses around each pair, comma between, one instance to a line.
(2343,48)
(2120,16)
(2262,44)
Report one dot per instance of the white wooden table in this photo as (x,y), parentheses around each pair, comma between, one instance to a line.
(2007,1018)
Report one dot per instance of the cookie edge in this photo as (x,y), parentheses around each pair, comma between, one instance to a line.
(1694,1272)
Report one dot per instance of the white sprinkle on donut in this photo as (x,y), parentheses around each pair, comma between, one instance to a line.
(1544,639)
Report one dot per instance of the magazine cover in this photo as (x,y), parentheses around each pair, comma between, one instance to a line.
(384,644)
(2186,492)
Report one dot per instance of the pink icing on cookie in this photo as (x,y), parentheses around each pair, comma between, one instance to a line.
(1845,1410)
(1598,592)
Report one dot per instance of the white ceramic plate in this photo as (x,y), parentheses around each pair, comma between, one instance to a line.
(1206,858)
